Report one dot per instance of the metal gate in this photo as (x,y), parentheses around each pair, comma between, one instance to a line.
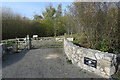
(46,42)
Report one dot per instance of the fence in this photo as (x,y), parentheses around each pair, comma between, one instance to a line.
(15,45)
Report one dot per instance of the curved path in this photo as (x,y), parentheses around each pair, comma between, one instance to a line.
(41,63)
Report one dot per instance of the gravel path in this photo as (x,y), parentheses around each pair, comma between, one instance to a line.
(41,63)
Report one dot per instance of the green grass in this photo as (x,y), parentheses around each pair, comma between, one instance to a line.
(76,41)
(58,43)
(116,77)
(10,43)
(53,45)
(69,61)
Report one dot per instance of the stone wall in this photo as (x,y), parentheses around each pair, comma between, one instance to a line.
(0,51)
(60,39)
(100,63)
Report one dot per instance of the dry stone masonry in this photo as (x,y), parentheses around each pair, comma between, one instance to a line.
(101,63)
(0,51)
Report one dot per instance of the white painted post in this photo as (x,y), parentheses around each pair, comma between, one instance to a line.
(1,51)
(65,34)
(28,42)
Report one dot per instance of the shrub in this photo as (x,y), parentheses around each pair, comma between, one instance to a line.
(76,41)
(82,41)
(104,46)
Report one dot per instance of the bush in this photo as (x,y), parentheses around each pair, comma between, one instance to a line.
(116,51)
(104,46)
(82,41)
(76,41)
(107,46)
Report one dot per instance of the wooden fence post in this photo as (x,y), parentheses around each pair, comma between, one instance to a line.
(15,47)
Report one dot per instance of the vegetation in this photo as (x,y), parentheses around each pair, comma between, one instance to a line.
(69,61)
(10,43)
(96,24)
(53,45)
(81,41)
(14,25)
(50,23)
(116,77)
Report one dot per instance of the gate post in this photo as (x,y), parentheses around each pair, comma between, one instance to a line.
(28,42)
(15,47)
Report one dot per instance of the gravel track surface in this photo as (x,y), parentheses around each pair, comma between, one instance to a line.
(41,63)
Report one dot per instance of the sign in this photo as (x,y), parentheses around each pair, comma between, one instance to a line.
(70,39)
(90,62)
(35,36)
